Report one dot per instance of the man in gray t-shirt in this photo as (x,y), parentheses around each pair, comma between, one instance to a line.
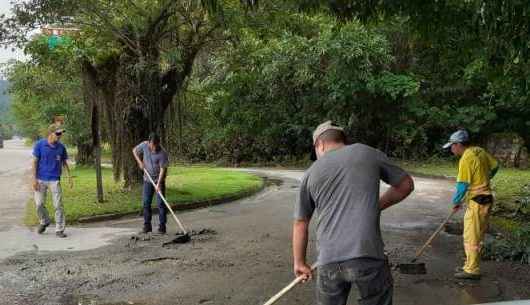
(154,159)
(342,187)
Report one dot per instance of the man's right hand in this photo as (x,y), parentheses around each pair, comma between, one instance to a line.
(303,270)
(456,207)
(35,185)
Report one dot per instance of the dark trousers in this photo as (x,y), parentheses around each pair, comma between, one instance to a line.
(147,197)
(372,278)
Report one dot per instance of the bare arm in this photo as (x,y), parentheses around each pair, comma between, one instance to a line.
(138,160)
(70,181)
(34,166)
(161,178)
(396,193)
(162,175)
(300,238)
(65,165)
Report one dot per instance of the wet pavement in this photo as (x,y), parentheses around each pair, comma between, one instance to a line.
(15,161)
(244,258)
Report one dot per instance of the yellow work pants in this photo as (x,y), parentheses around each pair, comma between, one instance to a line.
(475,226)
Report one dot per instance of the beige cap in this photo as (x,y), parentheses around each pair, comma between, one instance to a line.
(328,125)
(53,128)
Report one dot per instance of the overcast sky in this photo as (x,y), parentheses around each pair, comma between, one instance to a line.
(7,54)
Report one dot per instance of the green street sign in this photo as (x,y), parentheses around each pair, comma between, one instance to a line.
(55,41)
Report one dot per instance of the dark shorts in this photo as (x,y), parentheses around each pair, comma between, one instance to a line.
(372,279)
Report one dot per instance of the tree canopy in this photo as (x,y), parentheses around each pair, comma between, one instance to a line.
(249,80)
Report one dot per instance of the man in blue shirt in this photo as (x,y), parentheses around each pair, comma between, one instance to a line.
(49,156)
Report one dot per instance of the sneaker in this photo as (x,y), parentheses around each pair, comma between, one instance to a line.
(459,269)
(60,234)
(42,228)
(467,276)
(162,229)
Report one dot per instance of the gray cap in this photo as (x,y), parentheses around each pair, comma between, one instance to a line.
(460,136)
(328,125)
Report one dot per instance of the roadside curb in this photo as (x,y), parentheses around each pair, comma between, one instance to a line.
(440,177)
(177,207)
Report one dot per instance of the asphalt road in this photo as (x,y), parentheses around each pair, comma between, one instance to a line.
(243,258)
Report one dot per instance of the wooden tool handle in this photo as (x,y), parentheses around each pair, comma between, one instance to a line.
(295,282)
(420,251)
(167,204)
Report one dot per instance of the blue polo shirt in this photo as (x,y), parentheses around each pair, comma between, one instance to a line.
(50,159)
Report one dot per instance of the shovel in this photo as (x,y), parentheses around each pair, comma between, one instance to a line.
(419,268)
(183,237)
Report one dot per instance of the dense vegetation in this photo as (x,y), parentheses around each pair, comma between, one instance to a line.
(7,122)
(235,81)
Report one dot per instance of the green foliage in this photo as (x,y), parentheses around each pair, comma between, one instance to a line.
(4,96)
(185,185)
(405,96)
(516,247)
(524,201)
(48,85)
(399,75)
(267,93)
(7,125)
(470,57)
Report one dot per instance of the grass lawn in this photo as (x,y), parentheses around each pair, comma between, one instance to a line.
(185,185)
(436,167)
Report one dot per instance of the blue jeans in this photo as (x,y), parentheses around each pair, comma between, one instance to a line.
(147,196)
(372,278)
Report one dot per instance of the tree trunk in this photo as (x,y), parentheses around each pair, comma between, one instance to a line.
(141,111)
(92,96)
(84,154)
(97,150)
(140,98)
(180,123)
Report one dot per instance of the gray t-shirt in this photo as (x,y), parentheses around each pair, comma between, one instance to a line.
(343,188)
(153,161)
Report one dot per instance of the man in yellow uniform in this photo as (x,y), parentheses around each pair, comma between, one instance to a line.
(475,169)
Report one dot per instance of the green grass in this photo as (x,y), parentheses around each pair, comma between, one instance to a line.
(185,185)
(435,167)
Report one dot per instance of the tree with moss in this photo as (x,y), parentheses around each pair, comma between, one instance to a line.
(138,53)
